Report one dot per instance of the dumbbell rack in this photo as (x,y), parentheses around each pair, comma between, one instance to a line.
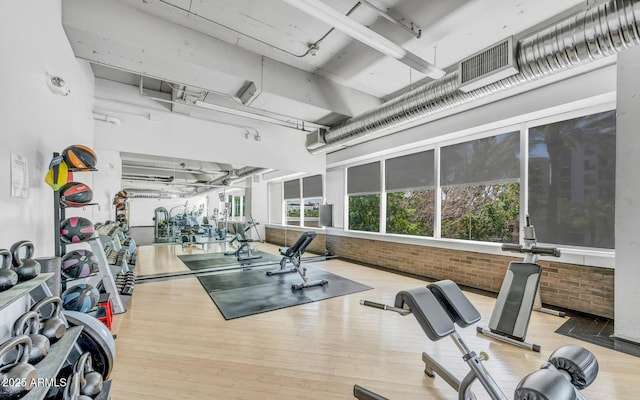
(117,256)
(59,214)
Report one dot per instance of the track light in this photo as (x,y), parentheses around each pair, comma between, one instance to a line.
(343,23)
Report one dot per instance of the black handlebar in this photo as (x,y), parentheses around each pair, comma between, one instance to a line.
(550,251)
(373,304)
(517,248)
(379,306)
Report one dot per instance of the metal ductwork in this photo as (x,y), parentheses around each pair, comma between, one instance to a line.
(241,173)
(584,37)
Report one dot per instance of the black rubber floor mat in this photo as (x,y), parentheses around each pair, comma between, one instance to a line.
(242,293)
(212,260)
(598,331)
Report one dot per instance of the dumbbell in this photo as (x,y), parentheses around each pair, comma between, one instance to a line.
(570,368)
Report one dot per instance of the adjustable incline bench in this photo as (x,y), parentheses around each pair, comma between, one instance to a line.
(293,255)
(441,305)
(244,252)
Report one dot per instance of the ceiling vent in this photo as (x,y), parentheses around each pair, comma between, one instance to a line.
(248,93)
(315,139)
(487,66)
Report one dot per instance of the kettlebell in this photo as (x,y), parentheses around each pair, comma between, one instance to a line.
(26,268)
(28,324)
(72,391)
(8,277)
(18,377)
(90,380)
(52,327)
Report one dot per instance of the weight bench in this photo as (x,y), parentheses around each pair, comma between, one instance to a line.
(244,252)
(293,255)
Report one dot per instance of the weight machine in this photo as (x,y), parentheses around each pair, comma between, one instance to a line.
(162,228)
(520,293)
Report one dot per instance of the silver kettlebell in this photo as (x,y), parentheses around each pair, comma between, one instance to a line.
(8,277)
(29,324)
(72,391)
(18,377)
(26,268)
(53,327)
(90,380)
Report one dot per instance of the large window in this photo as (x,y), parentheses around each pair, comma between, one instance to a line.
(292,202)
(311,200)
(572,180)
(236,205)
(303,208)
(472,190)
(480,189)
(409,184)
(363,189)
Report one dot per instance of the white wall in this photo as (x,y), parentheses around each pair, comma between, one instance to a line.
(335,195)
(627,291)
(36,122)
(105,184)
(258,205)
(275,203)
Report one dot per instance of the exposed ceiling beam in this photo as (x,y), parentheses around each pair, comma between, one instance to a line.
(110,33)
(343,23)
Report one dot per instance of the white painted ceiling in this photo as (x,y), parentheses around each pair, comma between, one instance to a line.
(220,47)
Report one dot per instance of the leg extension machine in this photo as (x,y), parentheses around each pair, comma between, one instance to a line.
(440,306)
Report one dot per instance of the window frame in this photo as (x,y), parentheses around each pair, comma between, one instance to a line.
(301,200)
(523,125)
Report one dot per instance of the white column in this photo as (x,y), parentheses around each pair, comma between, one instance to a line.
(627,273)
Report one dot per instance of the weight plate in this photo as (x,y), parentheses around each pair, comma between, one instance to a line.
(96,339)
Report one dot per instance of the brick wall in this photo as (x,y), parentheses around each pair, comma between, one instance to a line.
(277,236)
(575,287)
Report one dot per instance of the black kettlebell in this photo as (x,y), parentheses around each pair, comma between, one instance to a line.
(90,380)
(18,377)
(26,268)
(8,277)
(53,327)
(29,324)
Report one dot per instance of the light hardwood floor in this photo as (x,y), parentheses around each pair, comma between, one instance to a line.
(173,343)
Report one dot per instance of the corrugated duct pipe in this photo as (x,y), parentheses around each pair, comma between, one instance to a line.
(584,37)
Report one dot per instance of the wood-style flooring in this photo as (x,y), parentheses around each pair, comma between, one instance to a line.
(173,343)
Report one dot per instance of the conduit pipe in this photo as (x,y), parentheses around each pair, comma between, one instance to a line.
(586,36)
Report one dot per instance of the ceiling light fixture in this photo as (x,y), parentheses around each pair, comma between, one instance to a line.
(343,23)
(285,121)
(56,85)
